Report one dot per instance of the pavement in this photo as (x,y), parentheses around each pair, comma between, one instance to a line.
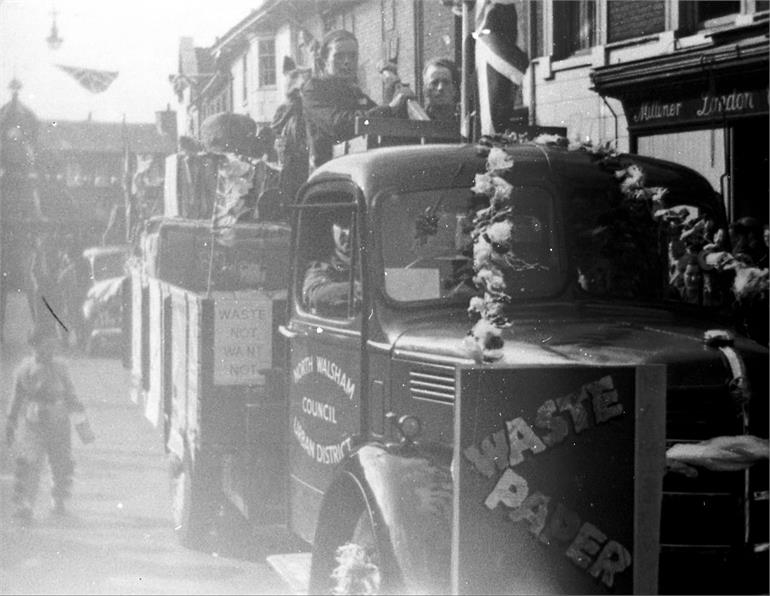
(118,536)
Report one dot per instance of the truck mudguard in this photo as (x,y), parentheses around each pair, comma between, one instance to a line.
(407,491)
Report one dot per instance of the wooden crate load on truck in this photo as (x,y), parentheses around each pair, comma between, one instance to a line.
(203,356)
(206,299)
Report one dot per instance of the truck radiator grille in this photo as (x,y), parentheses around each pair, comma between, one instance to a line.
(702,518)
(433,384)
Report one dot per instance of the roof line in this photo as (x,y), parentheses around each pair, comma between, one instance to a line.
(239,28)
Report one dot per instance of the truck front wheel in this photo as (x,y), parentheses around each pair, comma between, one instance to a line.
(349,558)
(193,501)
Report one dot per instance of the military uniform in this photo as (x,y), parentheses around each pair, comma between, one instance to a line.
(326,286)
(331,105)
(42,401)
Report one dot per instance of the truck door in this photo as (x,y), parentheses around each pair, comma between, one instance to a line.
(325,340)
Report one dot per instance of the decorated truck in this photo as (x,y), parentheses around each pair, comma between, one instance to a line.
(517,389)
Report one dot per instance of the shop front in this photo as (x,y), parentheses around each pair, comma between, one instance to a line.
(704,108)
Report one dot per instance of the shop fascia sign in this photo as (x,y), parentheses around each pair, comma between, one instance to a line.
(653,112)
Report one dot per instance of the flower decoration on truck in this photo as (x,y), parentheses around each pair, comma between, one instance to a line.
(621,246)
(494,259)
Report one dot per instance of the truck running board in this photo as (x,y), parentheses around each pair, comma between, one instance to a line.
(294,568)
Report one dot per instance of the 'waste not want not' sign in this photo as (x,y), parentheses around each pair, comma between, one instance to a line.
(243,347)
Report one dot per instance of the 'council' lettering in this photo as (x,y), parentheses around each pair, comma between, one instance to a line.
(319,409)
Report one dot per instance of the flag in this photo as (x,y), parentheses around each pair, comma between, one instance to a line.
(96,81)
(126,183)
(500,63)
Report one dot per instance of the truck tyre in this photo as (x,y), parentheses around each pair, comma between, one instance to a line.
(193,501)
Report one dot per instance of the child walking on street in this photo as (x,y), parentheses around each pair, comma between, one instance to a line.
(43,399)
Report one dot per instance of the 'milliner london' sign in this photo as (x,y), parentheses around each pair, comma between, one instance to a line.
(707,106)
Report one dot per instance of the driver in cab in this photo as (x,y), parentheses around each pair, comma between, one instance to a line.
(326,288)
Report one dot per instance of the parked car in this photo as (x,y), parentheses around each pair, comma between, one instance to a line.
(103,305)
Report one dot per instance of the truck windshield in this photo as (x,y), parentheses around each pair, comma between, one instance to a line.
(622,251)
(427,248)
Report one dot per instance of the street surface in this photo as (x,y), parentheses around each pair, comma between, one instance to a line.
(118,537)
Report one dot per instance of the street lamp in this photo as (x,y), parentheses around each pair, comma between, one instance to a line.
(53,40)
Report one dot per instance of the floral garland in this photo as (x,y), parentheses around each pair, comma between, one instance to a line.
(235,180)
(634,230)
(494,261)
(356,571)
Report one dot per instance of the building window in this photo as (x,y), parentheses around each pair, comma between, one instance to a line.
(574,27)
(694,16)
(245,77)
(266,62)
(329,22)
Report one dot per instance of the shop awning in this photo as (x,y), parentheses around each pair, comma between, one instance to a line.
(745,59)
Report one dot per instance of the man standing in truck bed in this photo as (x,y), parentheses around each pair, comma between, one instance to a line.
(332,101)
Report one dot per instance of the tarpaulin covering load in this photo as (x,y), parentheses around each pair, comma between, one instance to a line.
(230,133)
(257,258)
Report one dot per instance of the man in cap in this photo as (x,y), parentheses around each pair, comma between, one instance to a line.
(43,398)
(332,101)
(327,288)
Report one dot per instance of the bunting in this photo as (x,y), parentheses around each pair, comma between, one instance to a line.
(95,81)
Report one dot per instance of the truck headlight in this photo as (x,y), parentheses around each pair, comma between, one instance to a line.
(410,427)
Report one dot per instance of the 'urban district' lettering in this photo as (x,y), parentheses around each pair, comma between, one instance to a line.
(323,454)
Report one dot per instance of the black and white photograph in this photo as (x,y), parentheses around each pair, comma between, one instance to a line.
(460,297)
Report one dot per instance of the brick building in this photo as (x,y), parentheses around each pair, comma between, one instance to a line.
(242,71)
(647,75)
(651,74)
(82,170)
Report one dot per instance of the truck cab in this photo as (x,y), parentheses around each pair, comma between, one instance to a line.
(538,466)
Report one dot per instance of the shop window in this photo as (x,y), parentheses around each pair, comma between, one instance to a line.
(267,62)
(694,16)
(574,27)
(626,20)
(329,22)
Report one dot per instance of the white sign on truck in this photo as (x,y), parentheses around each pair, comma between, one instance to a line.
(243,346)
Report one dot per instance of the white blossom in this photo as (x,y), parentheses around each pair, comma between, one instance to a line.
(482,252)
(483,185)
(500,232)
(750,281)
(502,191)
(499,159)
